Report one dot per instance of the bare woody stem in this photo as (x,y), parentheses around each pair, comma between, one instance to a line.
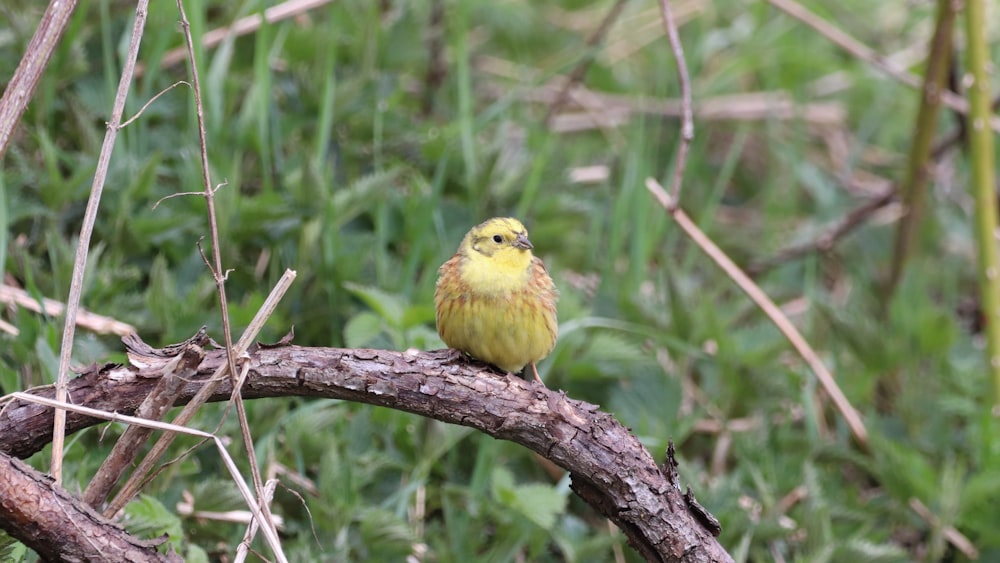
(89,218)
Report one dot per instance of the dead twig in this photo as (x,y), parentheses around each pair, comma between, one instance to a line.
(850,221)
(830,236)
(437,67)
(135,481)
(86,230)
(861,51)
(242,26)
(954,537)
(687,121)
(182,367)
(90,321)
(21,87)
(219,275)
(576,75)
(153,99)
(772,311)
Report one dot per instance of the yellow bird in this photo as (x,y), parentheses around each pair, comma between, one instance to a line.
(495,301)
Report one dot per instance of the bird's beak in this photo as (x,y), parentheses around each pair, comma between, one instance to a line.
(522,242)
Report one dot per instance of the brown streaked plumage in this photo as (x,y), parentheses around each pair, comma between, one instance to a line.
(495,301)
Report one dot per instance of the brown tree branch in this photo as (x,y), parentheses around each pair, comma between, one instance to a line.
(610,469)
(60,527)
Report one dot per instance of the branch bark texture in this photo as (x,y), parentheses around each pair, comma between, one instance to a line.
(59,527)
(610,469)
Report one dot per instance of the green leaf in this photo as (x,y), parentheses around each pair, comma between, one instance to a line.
(541,504)
(362,329)
(389,307)
(11,549)
(147,517)
(195,554)
(904,470)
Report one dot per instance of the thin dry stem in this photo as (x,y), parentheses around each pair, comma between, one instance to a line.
(151,100)
(612,110)
(137,479)
(179,194)
(105,415)
(851,220)
(576,75)
(173,195)
(21,87)
(861,51)
(269,533)
(9,328)
(85,319)
(831,235)
(244,547)
(243,26)
(772,311)
(86,230)
(153,407)
(437,66)
(217,273)
(687,121)
(954,537)
(616,547)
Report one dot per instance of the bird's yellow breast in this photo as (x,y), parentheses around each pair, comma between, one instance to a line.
(494,300)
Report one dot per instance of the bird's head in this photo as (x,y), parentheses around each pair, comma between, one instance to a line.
(502,241)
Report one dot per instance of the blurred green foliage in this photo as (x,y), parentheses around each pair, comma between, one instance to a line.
(343,158)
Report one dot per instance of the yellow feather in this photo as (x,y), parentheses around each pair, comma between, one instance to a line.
(494,300)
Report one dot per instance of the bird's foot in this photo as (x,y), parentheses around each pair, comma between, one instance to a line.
(534,370)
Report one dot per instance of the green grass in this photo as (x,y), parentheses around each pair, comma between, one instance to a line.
(333,169)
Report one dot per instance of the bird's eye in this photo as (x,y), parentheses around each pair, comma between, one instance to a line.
(497,239)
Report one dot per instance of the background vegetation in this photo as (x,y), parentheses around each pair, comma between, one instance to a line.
(348,158)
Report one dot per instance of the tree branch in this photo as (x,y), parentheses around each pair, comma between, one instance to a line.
(610,469)
(58,526)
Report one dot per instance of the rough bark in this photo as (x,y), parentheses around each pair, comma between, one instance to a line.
(610,469)
(59,527)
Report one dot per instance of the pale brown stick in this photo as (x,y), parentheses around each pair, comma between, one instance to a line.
(243,26)
(182,368)
(9,328)
(244,548)
(951,533)
(861,51)
(687,121)
(219,275)
(90,321)
(86,230)
(576,75)
(772,311)
(134,483)
(830,236)
(22,85)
